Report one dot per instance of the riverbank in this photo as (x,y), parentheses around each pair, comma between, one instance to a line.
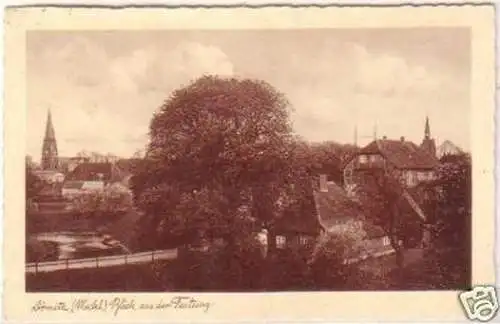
(121,226)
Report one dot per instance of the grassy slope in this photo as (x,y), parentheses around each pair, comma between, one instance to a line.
(127,278)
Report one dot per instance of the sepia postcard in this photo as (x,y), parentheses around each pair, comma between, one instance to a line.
(249,164)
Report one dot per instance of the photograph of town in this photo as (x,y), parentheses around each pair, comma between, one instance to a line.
(248,160)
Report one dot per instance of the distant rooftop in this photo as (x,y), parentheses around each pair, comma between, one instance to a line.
(402,153)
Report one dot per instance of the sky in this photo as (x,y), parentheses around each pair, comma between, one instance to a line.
(102,87)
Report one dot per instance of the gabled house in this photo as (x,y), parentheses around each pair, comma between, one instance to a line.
(337,212)
(405,165)
(328,209)
(408,162)
(298,224)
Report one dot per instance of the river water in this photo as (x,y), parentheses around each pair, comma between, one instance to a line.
(78,245)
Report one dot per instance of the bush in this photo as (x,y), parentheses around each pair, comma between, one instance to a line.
(112,200)
(329,263)
(288,269)
(40,251)
(220,268)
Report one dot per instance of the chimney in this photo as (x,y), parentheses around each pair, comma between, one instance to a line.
(323,185)
(384,137)
(402,138)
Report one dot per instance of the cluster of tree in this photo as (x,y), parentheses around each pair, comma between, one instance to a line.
(33,186)
(112,201)
(214,146)
(451,199)
(223,163)
(330,157)
(446,202)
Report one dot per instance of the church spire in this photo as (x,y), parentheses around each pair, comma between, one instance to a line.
(427,133)
(49,128)
(428,143)
(49,148)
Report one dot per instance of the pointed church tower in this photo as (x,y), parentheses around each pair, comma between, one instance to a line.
(49,148)
(428,143)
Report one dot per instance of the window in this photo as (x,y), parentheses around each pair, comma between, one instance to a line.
(363,159)
(410,178)
(386,241)
(280,241)
(373,158)
(303,240)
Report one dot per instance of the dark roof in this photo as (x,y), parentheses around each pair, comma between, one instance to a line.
(403,154)
(335,208)
(300,217)
(92,172)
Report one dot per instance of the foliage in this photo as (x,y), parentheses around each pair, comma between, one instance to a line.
(112,200)
(454,192)
(39,251)
(212,143)
(218,130)
(287,269)
(380,197)
(332,261)
(329,158)
(33,183)
(217,268)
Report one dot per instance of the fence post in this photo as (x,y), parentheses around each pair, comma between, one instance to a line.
(36,268)
(67,264)
(97,262)
(125,259)
(153,256)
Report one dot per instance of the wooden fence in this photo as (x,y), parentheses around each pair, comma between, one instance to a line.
(101,262)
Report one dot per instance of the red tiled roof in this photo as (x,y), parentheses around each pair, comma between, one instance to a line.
(403,154)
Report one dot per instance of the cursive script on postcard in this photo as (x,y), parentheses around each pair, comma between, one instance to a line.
(117,305)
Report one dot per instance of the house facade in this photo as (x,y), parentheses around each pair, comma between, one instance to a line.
(406,166)
(407,162)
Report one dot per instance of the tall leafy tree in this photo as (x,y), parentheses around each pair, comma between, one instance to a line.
(453,191)
(213,145)
(380,196)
